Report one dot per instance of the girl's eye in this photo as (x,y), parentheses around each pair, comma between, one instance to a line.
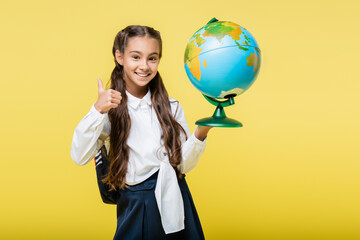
(135,57)
(153,59)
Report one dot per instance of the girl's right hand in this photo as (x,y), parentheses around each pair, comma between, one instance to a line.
(107,99)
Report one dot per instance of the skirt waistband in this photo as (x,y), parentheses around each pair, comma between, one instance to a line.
(148,184)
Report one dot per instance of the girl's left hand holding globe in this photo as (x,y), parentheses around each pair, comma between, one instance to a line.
(201,132)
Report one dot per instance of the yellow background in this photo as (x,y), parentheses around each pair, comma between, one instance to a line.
(292,171)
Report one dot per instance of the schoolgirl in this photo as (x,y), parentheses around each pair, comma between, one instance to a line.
(148,142)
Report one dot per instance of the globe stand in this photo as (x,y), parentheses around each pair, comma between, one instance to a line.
(219,118)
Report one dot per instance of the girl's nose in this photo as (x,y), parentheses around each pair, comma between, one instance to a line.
(144,65)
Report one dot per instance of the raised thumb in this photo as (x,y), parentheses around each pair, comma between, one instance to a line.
(100,85)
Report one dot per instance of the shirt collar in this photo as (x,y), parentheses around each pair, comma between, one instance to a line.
(134,101)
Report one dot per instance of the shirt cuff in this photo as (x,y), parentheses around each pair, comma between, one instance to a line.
(95,116)
(196,140)
(93,110)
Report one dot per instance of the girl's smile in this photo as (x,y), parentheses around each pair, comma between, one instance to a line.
(143,75)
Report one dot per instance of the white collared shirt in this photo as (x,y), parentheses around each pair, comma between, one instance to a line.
(147,154)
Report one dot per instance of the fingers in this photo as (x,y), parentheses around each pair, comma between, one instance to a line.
(113,105)
(115,100)
(108,106)
(115,94)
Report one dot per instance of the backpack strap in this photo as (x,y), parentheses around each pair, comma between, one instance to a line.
(102,169)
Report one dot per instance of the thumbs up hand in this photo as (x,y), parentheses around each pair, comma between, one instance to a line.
(107,99)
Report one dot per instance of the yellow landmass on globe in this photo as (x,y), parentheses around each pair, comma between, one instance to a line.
(235,91)
(205,63)
(235,33)
(191,57)
(253,60)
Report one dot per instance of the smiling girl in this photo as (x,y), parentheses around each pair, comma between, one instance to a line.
(149,143)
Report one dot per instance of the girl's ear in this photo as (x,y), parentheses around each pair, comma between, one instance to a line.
(119,57)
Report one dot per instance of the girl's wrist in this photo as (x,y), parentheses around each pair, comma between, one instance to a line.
(201,132)
(97,108)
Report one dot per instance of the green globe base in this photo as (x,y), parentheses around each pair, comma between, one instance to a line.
(219,118)
(218,122)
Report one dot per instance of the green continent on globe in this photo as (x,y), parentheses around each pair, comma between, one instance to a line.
(221,29)
(199,40)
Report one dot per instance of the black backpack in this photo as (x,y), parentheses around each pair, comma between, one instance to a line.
(102,169)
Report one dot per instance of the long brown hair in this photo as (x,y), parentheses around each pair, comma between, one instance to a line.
(120,119)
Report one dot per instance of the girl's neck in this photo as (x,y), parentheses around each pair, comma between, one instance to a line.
(138,92)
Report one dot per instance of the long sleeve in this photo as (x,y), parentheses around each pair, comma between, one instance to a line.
(192,148)
(89,136)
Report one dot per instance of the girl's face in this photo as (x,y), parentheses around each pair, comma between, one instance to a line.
(140,62)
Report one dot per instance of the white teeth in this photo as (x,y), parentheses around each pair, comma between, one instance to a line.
(142,75)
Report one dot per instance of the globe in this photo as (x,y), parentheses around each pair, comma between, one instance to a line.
(222,60)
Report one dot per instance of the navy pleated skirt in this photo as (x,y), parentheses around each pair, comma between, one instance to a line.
(138,216)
